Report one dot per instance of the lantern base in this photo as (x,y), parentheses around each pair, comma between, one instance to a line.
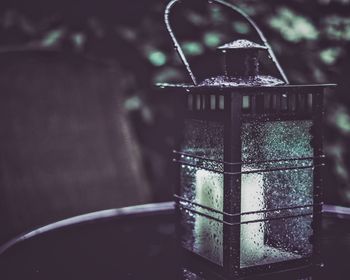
(301,269)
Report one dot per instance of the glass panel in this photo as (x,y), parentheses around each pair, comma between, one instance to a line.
(221,102)
(281,240)
(246,102)
(309,101)
(190,102)
(274,189)
(292,102)
(205,188)
(198,102)
(276,140)
(212,102)
(204,138)
(203,235)
(267,102)
(284,102)
(202,186)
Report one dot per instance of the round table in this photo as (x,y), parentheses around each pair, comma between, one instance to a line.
(132,243)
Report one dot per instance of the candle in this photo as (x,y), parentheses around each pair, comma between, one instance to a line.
(208,232)
(252,234)
(254,248)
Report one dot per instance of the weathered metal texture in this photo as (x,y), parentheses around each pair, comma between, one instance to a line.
(231,115)
(241,59)
(241,95)
(235,9)
(317,144)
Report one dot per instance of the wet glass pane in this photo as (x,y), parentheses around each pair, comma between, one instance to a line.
(202,183)
(202,186)
(246,102)
(275,241)
(202,235)
(204,138)
(195,181)
(269,188)
(276,140)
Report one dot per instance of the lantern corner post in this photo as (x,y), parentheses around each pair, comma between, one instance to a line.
(232,183)
(317,144)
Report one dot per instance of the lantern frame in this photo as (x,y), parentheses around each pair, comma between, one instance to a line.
(223,103)
(232,117)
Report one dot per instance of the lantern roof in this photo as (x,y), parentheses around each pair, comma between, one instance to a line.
(242,86)
(242,44)
(240,68)
(226,81)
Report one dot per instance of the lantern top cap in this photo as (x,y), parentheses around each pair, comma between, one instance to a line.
(242,44)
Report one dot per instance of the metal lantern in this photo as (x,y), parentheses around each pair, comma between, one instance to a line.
(249,191)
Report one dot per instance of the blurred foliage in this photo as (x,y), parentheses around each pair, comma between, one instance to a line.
(293,27)
(310,38)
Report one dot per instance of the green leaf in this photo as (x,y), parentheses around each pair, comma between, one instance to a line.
(212,39)
(293,27)
(330,55)
(157,58)
(196,19)
(343,122)
(79,40)
(133,103)
(167,74)
(192,48)
(340,118)
(337,27)
(52,37)
(241,27)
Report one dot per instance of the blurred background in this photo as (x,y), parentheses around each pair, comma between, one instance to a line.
(83,127)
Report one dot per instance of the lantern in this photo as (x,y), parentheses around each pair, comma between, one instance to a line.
(249,192)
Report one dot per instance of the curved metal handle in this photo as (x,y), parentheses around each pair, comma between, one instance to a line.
(234,8)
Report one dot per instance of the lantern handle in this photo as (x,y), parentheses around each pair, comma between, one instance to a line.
(234,8)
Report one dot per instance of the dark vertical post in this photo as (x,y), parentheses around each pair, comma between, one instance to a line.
(181,109)
(317,143)
(232,183)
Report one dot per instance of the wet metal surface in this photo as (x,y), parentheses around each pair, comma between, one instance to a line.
(285,86)
(234,9)
(139,245)
(225,81)
(242,44)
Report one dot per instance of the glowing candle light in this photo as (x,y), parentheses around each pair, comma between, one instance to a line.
(254,249)
(252,199)
(209,237)
(245,120)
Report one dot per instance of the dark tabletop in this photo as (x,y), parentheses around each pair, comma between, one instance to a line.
(133,246)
